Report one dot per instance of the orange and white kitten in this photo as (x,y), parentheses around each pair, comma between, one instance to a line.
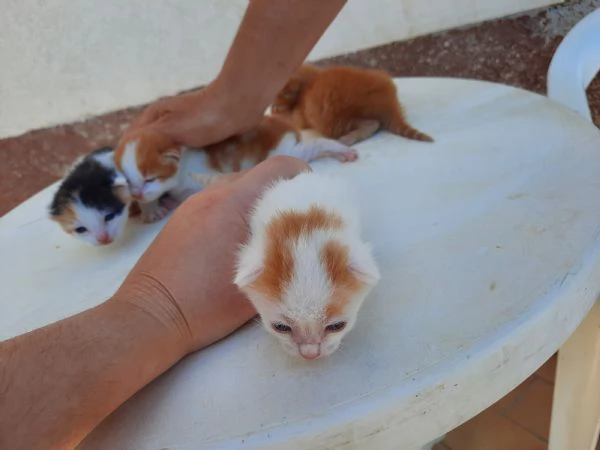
(345,103)
(305,267)
(161,174)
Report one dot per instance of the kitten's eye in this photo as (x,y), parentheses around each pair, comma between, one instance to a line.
(109,217)
(150,180)
(80,230)
(282,328)
(338,326)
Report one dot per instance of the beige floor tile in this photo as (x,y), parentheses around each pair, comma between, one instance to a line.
(548,370)
(533,411)
(515,396)
(441,446)
(491,431)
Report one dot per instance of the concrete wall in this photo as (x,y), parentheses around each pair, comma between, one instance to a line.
(65,60)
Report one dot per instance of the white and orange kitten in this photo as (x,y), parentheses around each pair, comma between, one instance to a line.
(161,174)
(305,267)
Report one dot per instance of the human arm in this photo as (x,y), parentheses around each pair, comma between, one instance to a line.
(59,382)
(273,39)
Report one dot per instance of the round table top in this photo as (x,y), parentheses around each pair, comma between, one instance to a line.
(487,242)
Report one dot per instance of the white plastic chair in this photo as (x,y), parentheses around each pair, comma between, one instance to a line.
(575,64)
(575,408)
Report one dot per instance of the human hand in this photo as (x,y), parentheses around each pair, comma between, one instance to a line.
(184,279)
(198,118)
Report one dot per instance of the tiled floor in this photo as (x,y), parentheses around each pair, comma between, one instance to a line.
(519,421)
(514,51)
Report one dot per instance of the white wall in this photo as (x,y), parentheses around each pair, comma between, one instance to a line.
(64,60)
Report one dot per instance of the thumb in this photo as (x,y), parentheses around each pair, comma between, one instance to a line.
(256,180)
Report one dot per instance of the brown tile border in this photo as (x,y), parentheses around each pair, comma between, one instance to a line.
(514,51)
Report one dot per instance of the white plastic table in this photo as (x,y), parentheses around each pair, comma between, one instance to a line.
(489,253)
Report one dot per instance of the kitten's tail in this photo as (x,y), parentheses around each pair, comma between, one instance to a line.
(398,125)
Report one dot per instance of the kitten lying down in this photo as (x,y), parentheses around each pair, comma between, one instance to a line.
(305,267)
(154,165)
(345,103)
(92,201)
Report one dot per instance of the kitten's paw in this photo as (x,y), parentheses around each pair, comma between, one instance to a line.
(154,214)
(169,202)
(347,156)
(134,209)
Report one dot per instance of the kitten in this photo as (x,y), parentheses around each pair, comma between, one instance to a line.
(305,267)
(154,165)
(93,200)
(345,103)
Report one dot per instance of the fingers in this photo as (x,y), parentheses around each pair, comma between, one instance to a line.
(153,114)
(217,181)
(254,181)
(148,115)
(266,172)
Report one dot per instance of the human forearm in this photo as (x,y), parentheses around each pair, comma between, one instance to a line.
(58,382)
(274,38)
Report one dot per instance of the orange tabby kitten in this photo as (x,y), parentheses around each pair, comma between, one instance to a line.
(345,103)
(161,174)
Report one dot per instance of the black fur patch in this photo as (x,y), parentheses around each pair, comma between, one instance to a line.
(92,183)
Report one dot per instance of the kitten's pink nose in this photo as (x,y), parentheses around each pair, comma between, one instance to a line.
(104,239)
(310,351)
(137,195)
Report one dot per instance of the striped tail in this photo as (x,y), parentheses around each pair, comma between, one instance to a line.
(399,126)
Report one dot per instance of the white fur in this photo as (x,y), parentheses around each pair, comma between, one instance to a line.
(129,167)
(97,227)
(179,187)
(312,146)
(193,162)
(106,159)
(304,301)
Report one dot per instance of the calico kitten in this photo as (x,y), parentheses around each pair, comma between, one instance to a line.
(92,202)
(154,165)
(345,103)
(305,267)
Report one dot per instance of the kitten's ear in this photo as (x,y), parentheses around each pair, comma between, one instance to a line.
(121,189)
(362,264)
(172,155)
(249,267)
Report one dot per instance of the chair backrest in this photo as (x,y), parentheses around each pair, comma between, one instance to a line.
(575,64)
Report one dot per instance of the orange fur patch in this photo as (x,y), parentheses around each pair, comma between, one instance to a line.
(67,219)
(336,260)
(282,232)
(337,100)
(151,154)
(253,146)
